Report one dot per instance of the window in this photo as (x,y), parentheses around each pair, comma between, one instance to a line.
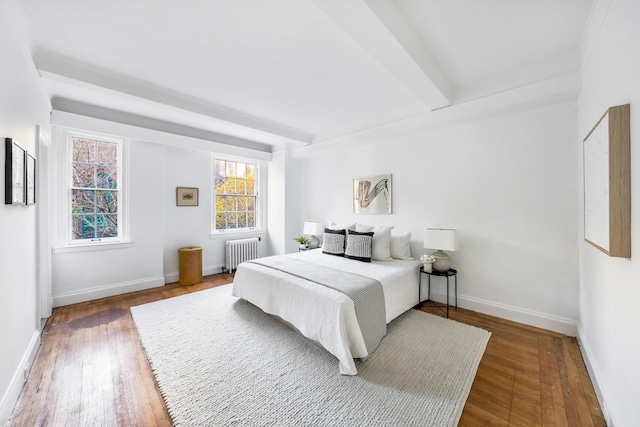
(96,189)
(236,195)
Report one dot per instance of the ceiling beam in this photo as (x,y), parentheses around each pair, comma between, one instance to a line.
(379,28)
(96,112)
(61,69)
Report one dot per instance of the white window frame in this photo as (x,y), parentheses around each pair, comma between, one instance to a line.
(66,136)
(260,197)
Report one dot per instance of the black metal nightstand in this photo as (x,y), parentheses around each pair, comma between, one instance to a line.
(449,273)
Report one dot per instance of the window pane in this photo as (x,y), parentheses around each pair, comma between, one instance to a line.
(251,219)
(230,186)
(221,221)
(107,201)
(221,167)
(83,150)
(107,177)
(220,185)
(83,175)
(241,186)
(240,169)
(250,185)
(242,204)
(242,220)
(106,226)
(231,169)
(107,153)
(221,203)
(232,220)
(251,172)
(231,203)
(83,201)
(83,227)
(251,203)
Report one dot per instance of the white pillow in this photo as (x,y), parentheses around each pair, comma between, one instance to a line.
(400,248)
(381,247)
(362,228)
(342,226)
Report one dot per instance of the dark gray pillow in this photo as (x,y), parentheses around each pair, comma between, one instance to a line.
(359,246)
(333,242)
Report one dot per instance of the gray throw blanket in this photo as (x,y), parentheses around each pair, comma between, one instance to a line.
(366,293)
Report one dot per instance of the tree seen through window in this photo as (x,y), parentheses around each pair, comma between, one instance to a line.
(94,189)
(235,195)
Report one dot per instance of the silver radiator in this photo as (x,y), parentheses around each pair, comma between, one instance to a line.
(241,250)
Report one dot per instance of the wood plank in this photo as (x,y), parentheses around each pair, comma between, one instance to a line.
(91,370)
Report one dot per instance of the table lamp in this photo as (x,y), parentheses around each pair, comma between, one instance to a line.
(441,239)
(313,229)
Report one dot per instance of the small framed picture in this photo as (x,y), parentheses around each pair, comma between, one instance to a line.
(15,160)
(186,196)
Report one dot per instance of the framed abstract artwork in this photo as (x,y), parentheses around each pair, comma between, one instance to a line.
(14,173)
(607,183)
(372,194)
(186,196)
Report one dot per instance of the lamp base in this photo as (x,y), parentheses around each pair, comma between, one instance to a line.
(313,242)
(443,262)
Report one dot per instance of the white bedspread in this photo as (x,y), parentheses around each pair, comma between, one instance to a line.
(323,314)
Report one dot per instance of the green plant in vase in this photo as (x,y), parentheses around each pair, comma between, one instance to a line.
(303,240)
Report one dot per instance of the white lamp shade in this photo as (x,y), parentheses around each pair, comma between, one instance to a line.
(313,228)
(445,239)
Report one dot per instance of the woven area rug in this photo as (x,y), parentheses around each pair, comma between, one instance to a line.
(220,361)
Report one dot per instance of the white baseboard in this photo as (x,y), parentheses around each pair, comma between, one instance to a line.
(515,314)
(10,397)
(107,291)
(594,374)
(207,270)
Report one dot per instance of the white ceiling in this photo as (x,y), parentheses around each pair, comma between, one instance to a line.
(300,71)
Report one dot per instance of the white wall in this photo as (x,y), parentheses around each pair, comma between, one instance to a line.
(84,275)
(191,226)
(610,287)
(284,221)
(22,107)
(276,208)
(507,183)
(159,162)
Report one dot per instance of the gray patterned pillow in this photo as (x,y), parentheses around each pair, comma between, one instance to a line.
(333,242)
(359,246)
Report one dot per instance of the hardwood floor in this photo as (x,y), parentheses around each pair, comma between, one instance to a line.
(91,370)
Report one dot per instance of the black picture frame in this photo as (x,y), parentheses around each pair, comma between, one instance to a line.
(14,173)
(30,179)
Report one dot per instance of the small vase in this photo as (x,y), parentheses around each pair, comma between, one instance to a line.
(427,267)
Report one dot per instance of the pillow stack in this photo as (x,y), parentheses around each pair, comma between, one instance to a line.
(365,242)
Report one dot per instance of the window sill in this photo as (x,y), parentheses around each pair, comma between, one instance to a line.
(237,234)
(93,247)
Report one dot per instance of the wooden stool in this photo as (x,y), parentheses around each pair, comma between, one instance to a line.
(190,261)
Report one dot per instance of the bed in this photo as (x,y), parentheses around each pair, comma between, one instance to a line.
(320,313)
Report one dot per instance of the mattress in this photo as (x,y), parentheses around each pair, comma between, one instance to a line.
(323,314)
